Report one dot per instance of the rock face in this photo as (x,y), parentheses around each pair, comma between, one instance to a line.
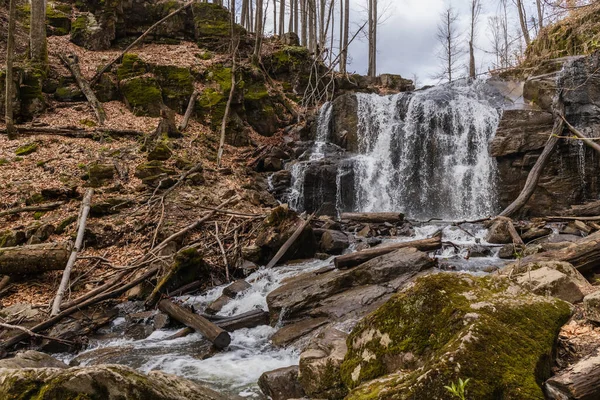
(108,382)
(442,329)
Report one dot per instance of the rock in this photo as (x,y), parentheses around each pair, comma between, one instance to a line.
(252,253)
(276,229)
(272,164)
(217,305)
(479,251)
(334,242)
(306,292)
(443,328)
(109,206)
(290,333)
(591,306)
(498,233)
(196,178)
(12,238)
(281,384)
(107,88)
(290,39)
(157,320)
(89,33)
(100,174)
(41,234)
(188,266)
(550,282)
(22,311)
(320,365)
(580,381)
(345,122)
(107,382)
(396,83)
(236,288)
(540,91)
(70,93)
(31,359)
(211,25)
(535,233)
(153,172)
(142,95)
(161,152)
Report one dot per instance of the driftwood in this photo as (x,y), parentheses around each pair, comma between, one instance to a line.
(219,337)
(73,132)
(33,259)
(63,314)
(536,172)
(41,207)
(138,40)
(589,142)
(251,319)
(187,288)
(85,210)
(354,259)
(94,292)
(584,254)
(286,246)
(375,218)
(72,62)
(579,381)
(189,111)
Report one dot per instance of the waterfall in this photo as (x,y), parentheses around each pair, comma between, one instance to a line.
(423,153)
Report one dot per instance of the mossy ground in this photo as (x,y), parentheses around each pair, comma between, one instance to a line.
(504,345)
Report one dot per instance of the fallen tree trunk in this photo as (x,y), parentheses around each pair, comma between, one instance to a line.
(375,218)
(74,132)
(219,337)
(33,259)
(534,175)
(584,254)
(72,62)
(41,207)
(573,218)
(589,142)
(189,111)
(354,259)
(85,210)
(579,381)
(286,246)
(251,319)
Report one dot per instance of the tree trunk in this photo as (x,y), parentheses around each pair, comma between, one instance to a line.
(354,259)
(344,57)
(375,218)
(219,337)
(189,111)
(10,87)
(289,242)
(259,29)
(540,12)
(226,114)
(37,34)
(281,17)
(64,283)
(251,319)
(33,259)
(523,22)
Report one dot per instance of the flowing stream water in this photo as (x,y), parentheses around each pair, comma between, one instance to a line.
(424,154)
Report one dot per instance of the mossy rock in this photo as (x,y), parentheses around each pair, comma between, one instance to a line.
(65,223)
(12,238)
(107,88)
(30,92)
(289,59)
(27,149)
(152,169)
(58,19)
(109,206)
(177,86)
(131,66)
(161,152)
(212,25)
(143,95)
(188,266)
(100,174)
(450,326)
(69,93)
(91,33)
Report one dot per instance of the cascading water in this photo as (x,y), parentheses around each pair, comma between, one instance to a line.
(424,154)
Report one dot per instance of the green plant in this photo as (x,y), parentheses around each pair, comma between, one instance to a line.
(458,389)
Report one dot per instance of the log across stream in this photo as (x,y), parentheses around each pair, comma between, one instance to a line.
(237,369)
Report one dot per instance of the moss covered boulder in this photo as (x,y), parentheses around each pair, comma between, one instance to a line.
(143,95)
(212,25)
(451,326)
(58,18)
(103,382)
(177,86)
(93,33)
(100,174)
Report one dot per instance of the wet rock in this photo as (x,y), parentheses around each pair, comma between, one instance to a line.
(31,359)
(345,122)
(107,382)
(100,174)
(306,292)
(320,365)
(281,384)
(217,305)
(547,281)
(334,242)
(461,318)
(236,288)
(155,319)
(479,251)
(535,233)
(290,333)
(540,91)
(498,233)
(591,306)
(511,251)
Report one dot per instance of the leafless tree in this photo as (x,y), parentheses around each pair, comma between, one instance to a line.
(10,54)
(475,12)
(373,22)
(449,39)
(523,21)
(37,36)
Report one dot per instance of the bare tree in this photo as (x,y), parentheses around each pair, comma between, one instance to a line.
(523,21)
(10,54)
(475,12)
(37,33)
(448,37)
(259,29)
(540,11)
(373,22)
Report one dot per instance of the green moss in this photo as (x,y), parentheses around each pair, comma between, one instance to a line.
(188,266)
(88,123)
(38,215)
(131,66)
(212,24)
(65,223)
(58,18)
(222,76)
(143,95)
(207,55)
(255,92)
(3,161)
(27,149)
(504,345)
(177,85)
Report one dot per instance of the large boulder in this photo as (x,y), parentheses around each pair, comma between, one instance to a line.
(345,122)
(103,382)
(591,306)
(450,326)
(347,293)
(32,359)
(281,384)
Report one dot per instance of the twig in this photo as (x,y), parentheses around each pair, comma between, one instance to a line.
(33,334)
(216,235)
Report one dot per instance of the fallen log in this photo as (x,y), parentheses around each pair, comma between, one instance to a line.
(286,246)
(251,319)
(353,259)
(73,132)
(578,382)
(85,210)
(41,207)
(374,218)
(33,259)
(589,142)
(219,337)
(72,62)
(583,255)
(573,218)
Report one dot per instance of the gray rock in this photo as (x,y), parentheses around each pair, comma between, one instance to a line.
(236,288)
(32,359)
(281,384)
(334,242)
(591,306)
(217,305)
